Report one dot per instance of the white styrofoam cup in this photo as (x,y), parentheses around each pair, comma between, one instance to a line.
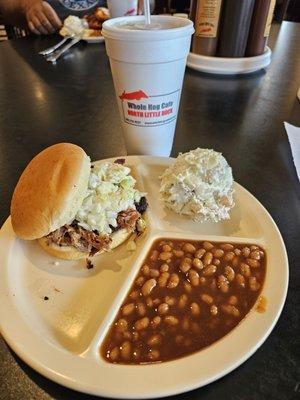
(120,8)
(148,68)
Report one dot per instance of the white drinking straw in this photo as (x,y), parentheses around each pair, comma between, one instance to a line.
(147,11)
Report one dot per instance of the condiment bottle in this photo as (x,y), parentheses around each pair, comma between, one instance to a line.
(235,23)
(260,27)
(206,17)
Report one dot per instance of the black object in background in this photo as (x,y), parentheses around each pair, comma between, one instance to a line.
(235,23)
(260,27)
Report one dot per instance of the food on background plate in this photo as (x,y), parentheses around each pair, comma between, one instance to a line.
(199,184)
(73,26)
(73,208)
(96,19)
(187,295)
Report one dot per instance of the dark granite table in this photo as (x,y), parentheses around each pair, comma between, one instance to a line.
(41,104)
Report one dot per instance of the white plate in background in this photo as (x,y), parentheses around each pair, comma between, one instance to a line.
(60,337)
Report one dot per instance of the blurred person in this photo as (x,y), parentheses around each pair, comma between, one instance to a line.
(44,17)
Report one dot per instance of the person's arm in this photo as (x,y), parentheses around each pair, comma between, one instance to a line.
(37,15)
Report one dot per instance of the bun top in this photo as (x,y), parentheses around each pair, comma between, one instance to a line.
(50,190)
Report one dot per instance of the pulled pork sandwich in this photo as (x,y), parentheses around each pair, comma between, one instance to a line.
(75,209)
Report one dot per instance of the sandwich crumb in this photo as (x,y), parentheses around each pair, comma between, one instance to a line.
(46,298)
(89,264)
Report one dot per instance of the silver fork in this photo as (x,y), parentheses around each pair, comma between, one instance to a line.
(54,56)
(56,46)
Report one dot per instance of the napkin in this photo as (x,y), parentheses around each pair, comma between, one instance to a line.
(294,138)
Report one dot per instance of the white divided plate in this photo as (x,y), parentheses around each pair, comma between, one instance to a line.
(229,66)
(60,338)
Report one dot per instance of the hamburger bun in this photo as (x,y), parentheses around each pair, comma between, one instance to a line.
(50,191)
(70,253)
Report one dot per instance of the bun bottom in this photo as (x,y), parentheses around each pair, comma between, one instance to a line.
(71,253)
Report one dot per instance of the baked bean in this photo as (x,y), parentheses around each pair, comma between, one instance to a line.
(187,287)
(253,284)
(170,300)
(195,327)
(153,354)
(217,253)
(253,247)
(210,270)
(214,309)
(185,324)
(167,248)
(156,321)
(134,295)
(207,245)
(164,268)
(255,255)
(237,252)
(246,251)
(154,273)
(187,342)
(235,261)
(149,302)
(125,350)
(189,255)
(213,284)
(145,270)
(154,340)
(173,281)
(178,253)
(240,280)
(171,320)
(141,309)
(156,302)
(200,253)
(233,300)
(165,256)
(128,309)
(261,254)
(182,301)
(189,248)
(229,256)
(136,354)
(207,298)
(154,255)
(122,324)
(223,284)
(114,354)
(148,286)
(135,336)
(197,263)
(202,280)
(142,323)
(245,269)
(162,280)
(229,273)
(253,263)
(226,246)
(163,308)
(208,258)
(140,281)
(185,265)
(232,310)
(195,309)
(193,277)
(179,339)
(216,261)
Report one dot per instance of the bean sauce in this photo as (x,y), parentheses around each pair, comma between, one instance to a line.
(186,296)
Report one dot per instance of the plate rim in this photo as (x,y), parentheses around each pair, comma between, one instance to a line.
(68,382)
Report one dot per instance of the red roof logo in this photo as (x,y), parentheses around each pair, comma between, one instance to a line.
(138,95)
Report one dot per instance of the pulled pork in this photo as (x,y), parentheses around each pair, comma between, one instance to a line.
(127,219)
(78,237)
(90,241)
